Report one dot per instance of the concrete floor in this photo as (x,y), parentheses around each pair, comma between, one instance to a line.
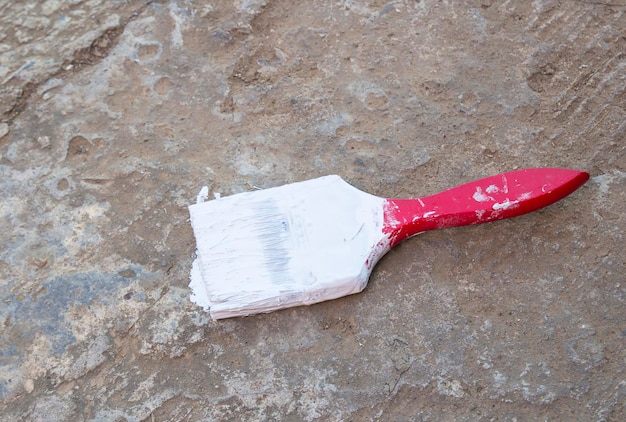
(115,113)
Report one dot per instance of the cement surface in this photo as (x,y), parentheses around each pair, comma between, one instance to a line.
(116,113)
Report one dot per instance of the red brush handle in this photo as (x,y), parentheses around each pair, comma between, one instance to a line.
(490,199)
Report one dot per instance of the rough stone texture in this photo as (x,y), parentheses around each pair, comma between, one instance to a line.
(41,39)
(116,113)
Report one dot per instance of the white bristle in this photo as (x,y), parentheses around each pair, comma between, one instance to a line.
(293,245)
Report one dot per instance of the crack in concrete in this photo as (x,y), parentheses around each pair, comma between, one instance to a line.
(165,290)
(394,390)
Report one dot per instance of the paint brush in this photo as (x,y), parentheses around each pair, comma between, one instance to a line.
(317,240)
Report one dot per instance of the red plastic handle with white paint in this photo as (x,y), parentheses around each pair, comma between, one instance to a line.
(493,198)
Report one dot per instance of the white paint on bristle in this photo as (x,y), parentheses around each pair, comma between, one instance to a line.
(293,245)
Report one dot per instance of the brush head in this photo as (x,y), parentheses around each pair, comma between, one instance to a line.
(293,245)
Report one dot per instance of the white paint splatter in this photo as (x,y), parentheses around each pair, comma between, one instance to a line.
(492,189)
(505,184)
(480,196)
(505,205)
(203,195)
